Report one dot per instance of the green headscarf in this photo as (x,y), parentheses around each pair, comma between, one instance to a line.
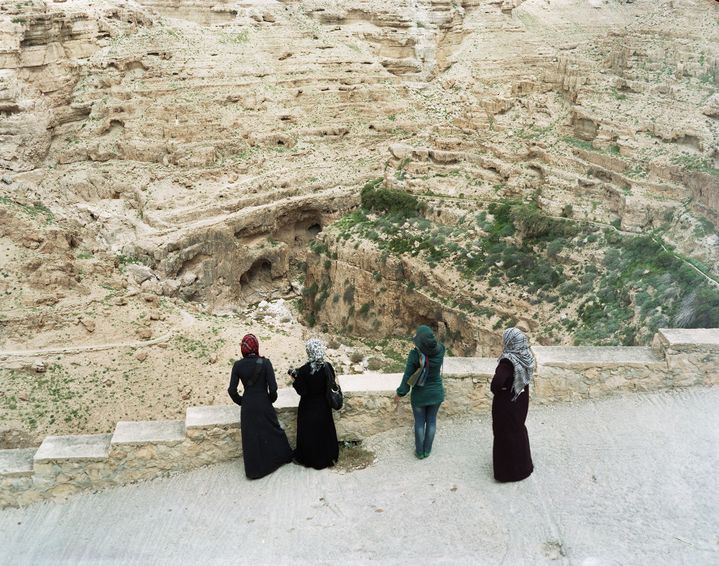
(426,342)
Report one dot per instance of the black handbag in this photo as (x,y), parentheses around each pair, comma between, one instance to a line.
(334,391)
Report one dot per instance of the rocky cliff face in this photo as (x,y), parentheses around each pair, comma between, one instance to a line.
(206,144)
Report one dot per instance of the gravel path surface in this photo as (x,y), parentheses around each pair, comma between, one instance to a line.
(630,480)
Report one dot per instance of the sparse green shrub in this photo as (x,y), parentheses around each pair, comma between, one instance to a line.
(320,300)
(389,201)
(356,357)
(536,225)
(318,247)
(553,248)
(576,142)
(310,291)
(699,309)
(374,364)
(349,294)
(698,163)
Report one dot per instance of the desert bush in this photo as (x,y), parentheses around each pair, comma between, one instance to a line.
(349,294)
(389,201)
(364,310)
(699,309)
(553,248)
(310,291)
(534,224)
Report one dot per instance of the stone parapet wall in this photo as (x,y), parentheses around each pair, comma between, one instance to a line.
(135,451)
(692,355)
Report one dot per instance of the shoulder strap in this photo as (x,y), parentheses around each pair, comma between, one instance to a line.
(258,364)
(328,373)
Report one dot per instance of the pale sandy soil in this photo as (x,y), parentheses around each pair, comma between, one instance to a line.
(92,382)
(624,481)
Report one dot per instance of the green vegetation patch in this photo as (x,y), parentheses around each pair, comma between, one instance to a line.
(37,210)
(200,349)
(635,285)
(576,142)
(42,400)
(641,287)
(695,163)
(390,201)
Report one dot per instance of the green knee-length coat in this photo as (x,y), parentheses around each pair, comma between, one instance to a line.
(432,392)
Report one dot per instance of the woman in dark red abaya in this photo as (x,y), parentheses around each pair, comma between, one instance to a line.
(510,453)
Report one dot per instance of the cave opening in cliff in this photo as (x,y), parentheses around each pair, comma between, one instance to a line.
(258,277)
(306,231)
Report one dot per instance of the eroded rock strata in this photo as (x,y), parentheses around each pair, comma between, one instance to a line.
(163,161)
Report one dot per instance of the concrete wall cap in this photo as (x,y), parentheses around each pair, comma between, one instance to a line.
(92,447)
(459,367)
(212,416)
(370,382)
(609,355)
(690,336)
(148,432)
(16,462)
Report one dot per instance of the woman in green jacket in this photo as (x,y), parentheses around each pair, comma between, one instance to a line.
(427,389)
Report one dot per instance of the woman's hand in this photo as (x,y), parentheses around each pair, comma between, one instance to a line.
(396,399)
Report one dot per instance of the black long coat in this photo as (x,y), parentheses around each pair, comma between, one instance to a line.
(316,434)
(510,452)
(264,444)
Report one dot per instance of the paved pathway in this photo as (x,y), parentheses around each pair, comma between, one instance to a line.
(630,480)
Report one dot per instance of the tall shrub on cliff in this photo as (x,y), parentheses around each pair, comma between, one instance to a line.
(389,201)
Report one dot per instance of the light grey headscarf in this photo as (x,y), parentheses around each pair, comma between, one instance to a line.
(515,348)
(315,354)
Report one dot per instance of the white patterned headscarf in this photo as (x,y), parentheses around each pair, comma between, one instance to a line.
(315,354)
(515,348)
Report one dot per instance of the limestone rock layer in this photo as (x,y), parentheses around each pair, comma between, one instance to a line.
(211,142)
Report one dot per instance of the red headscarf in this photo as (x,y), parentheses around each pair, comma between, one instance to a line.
(250,345)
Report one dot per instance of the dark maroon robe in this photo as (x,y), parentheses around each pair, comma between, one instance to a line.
(510,453)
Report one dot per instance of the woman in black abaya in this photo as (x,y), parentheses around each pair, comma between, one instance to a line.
(316,435)
(511,456)
(264,444)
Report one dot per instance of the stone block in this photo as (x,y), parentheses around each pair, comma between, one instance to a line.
(17,462)
(148,432)
(212,416)
(677,338)
(370,383)
(585,356)
(85,447)
(287,398)
(479,367)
